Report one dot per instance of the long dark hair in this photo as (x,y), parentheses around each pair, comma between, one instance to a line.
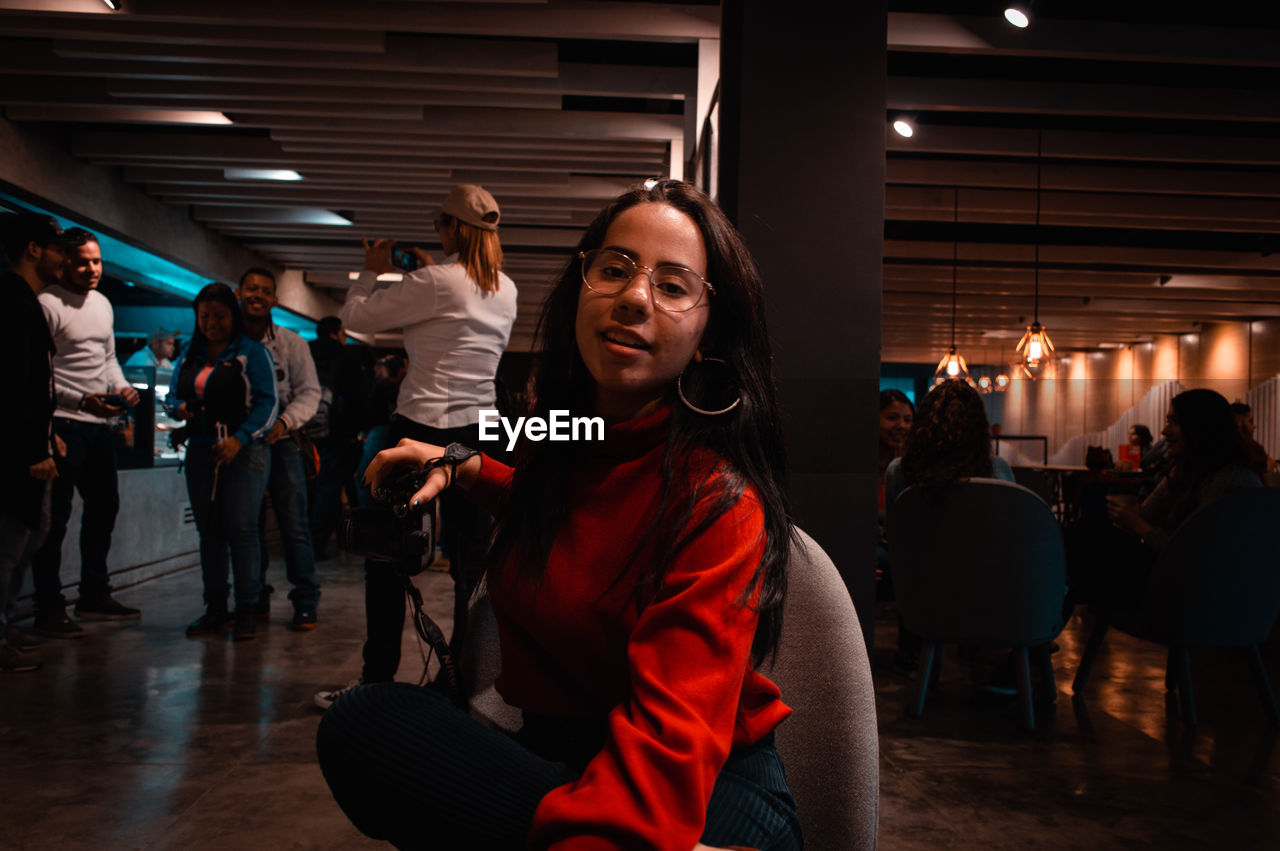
(1210,432)
(222,294)
(747,441)
(949,438)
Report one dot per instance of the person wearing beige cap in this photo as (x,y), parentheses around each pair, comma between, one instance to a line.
(456,317)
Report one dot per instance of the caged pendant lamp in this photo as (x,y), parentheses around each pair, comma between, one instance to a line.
(953,366)
(1035,346)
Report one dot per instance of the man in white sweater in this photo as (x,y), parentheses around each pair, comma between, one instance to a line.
(91,391)
(297,395)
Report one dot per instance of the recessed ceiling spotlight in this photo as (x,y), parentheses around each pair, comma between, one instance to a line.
(1018,15)
(904,127)
(260,174)
(650,183)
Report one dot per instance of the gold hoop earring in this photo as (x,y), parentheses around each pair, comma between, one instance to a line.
(685,399)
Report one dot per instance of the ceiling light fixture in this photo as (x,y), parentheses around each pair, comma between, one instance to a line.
(1035,346)
(260,174)
(904,126)
(1018,14)
(113,5)
(952,365)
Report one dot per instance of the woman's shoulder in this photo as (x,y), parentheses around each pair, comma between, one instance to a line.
(1234,477)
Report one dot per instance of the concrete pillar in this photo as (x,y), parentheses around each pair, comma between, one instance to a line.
(802,175)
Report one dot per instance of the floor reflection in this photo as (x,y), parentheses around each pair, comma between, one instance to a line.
(1112,767)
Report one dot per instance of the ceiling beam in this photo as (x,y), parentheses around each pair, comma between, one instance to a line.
(1160,260)
(1086,144)
(1074,177)
(1084,209)
(1120,41)
(595,19)
(1042,97)
(126,31)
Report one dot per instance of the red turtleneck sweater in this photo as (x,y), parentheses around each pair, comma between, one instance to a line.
(673,680)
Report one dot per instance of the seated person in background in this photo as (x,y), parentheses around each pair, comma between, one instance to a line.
(636,581)
(1140,439)
(948,441)
(1208,461)
(1254,451)
(1140,436)
(896,413)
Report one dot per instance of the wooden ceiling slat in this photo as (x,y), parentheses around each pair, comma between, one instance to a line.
(1123,179)
(1083,39)
(124,31)
(598,19)
(1087,144)
(1043,97)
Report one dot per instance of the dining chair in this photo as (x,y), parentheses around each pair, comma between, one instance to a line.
(979,563)
(1217,585)
(829,745)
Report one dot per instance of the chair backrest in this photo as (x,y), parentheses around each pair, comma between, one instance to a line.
(1036,481)
(829,745)
(480,662)
(980,562)
(1218,582)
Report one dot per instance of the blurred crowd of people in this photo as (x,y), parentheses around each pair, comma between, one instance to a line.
(267,419)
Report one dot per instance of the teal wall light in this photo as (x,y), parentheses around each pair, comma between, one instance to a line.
(137,267)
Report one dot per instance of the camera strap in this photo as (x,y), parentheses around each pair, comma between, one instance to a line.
(449,680)
(454,454)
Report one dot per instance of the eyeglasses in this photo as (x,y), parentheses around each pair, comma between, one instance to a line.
(673,288)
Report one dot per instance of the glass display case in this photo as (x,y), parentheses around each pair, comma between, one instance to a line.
(145,432)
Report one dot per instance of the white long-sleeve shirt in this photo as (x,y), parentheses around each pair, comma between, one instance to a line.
(297,387)
(454,334)
(83,329)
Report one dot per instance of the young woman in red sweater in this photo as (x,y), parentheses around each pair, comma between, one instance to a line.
(637,581)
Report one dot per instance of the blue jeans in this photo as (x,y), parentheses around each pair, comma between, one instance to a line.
(89,467)
(18,546)
(287,486)
(228,519)
(378,439)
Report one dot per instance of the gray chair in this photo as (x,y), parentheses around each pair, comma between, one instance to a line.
(1217,585)
(830,744)
(980,563)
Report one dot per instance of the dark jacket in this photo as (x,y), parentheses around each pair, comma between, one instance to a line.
(26,427)
(339,371)
(239,390)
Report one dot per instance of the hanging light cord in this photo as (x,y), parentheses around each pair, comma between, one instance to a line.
(1039,151)
(955,259)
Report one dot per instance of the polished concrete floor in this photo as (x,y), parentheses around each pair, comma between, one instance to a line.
(137,737)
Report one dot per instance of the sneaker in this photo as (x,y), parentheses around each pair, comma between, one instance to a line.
(325,699)
(212,622)
(56,624)
(303,621)
(105,608)
(23,642)
(246,628)
(13,662)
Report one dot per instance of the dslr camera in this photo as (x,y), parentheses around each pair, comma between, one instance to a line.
(396,532)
